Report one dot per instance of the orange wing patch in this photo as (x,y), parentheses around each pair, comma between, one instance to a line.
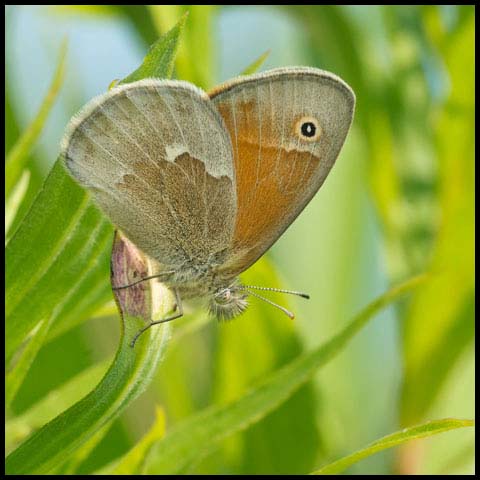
(269,181)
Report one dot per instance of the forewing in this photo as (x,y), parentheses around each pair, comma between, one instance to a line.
(158,160)
(277,170)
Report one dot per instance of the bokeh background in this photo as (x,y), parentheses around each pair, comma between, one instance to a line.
(399,201)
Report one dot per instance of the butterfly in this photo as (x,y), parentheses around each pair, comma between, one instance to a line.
(205,183)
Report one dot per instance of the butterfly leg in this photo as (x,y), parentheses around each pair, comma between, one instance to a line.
(179,314)
(158,275)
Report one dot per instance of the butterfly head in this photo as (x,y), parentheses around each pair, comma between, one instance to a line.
(228,302)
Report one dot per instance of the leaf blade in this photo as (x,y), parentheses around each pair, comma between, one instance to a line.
(398,438)
(131,462)
(18,155)
(256,64)
(160,59)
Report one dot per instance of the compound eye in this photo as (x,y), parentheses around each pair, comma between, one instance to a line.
(308,129)
(224,296)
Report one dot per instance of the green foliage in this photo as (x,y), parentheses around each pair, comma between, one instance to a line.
(240,361)
(18,155)
(132,463)
(255,65)
(252,396)
(159,61)
(15,200)
(190,440)
(56,276)
(448,329)
(58,400)
(194,61)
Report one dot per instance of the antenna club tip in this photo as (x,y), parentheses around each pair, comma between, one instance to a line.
(306,295)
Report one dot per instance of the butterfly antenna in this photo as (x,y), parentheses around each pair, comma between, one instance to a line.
(284,310)
(279,290)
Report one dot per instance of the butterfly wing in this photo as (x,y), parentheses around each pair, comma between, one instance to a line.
(158,160)
(287,127)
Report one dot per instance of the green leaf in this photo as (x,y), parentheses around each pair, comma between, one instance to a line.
(82,452)
(128,376)
(417,125)
(425,430)
(195,59)
(14,378)
(194,437)
(255,65)
(57,400)
(12,130)
(159,61)
(15,199)
(18,155)
(131,463)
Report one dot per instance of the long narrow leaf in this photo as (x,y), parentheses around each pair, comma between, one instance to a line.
(132,461)
(256,64)
(18,155)
(195,60)
(159,61)
(15,199)
(426,430)
(254,348)
(82,452)
(54,403)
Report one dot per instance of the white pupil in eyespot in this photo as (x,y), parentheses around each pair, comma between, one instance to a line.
(308,129)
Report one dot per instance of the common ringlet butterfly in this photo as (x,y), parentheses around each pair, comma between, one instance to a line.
(205,183)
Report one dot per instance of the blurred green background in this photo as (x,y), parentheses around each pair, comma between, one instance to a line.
(399,201)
